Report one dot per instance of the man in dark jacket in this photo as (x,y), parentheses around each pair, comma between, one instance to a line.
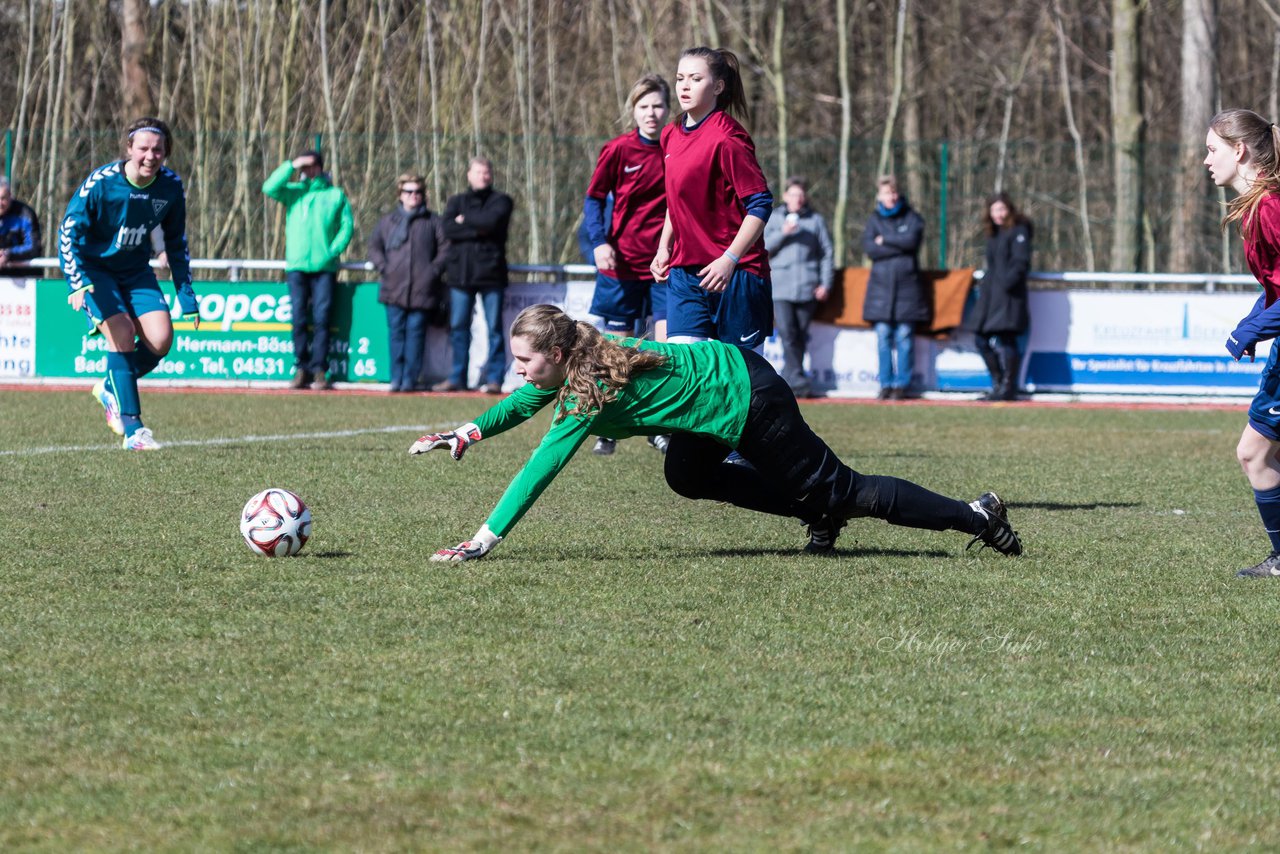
(407,248)
(475,223)
(19,235)
(896,299)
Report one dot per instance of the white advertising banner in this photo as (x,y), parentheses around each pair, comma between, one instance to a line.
(17,327)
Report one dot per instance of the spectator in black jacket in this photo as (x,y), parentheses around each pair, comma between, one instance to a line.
(896,299)
(408,249)
(1000,315)
(19,235)
(475,223)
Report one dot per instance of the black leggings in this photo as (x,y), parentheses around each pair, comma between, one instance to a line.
(794,473)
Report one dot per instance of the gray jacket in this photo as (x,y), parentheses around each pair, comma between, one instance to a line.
(800,262)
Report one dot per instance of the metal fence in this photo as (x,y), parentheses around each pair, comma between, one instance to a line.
(229,216)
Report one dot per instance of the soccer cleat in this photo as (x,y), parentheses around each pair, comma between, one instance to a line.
(999,534)
(141,440)
(108,401)
(1269,568)
(605,447)
(660,443)
(822,535)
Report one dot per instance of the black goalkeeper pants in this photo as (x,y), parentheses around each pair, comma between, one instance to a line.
(794,473)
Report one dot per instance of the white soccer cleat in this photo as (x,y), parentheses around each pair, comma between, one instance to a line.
(108,401)
(142,440)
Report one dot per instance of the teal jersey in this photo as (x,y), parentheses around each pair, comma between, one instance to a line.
(109,221)
(702,389)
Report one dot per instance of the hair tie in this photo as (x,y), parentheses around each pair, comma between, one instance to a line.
(159,132)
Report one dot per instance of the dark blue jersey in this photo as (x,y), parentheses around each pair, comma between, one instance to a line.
(109,221)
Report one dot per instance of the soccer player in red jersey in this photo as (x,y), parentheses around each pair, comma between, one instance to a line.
(630,167)
(1243,150)
(718,201)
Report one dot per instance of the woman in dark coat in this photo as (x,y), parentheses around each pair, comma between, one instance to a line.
(408,250)
(896,299)
(1000,315)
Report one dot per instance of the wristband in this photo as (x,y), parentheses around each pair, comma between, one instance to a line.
(731,256)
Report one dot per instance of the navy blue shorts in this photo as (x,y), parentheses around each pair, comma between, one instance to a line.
(658,300)
(742,314)
(136,293)
(1264,412)
(620,301)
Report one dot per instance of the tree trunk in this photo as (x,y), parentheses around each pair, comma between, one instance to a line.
(135,92)
(1127,130)
(1199,33)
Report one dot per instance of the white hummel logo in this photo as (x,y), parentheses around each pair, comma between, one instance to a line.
(630,168)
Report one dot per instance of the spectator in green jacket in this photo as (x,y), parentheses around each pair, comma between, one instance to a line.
(318,227)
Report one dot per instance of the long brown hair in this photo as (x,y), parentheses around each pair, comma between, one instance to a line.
(1262,139)
(596,368)
(1015,216)
(723,65)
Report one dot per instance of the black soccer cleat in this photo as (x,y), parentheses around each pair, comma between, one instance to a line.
(1269,568)
(605,447)
(999,534)
(822,535)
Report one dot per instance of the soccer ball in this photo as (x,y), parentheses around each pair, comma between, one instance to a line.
(275,523)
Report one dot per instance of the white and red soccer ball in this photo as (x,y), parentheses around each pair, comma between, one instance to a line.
(275,523)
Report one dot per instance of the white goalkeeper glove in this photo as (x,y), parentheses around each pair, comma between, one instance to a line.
(476,547)
(457,441)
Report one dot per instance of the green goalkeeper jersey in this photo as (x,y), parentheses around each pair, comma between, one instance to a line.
(702,389)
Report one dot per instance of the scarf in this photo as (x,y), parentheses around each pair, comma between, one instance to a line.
(895,210)
(403,219)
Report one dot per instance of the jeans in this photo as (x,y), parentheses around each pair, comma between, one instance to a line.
(791,320)
(462,304)
(406,333)
(896,339)
(312,297)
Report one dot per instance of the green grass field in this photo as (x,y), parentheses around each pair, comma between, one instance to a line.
(629,670)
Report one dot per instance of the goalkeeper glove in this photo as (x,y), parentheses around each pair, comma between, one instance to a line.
(476,547)
(457,441)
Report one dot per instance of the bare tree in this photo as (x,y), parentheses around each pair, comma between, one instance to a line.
(135,87)
(1128,127)
(1198,91)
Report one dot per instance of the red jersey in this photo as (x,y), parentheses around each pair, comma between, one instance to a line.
(1262,251)
(631,168)
(709,170)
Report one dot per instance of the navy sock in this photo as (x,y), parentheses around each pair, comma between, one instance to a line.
(145,361)
(1268,501)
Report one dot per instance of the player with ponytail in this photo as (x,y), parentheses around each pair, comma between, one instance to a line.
(1243,150)
(711,397)
(718,201)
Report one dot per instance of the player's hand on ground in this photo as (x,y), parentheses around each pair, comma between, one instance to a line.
(462,551)
(457,441)
(476,547)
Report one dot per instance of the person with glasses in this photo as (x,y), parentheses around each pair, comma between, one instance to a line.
(407,248)
(317,228)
